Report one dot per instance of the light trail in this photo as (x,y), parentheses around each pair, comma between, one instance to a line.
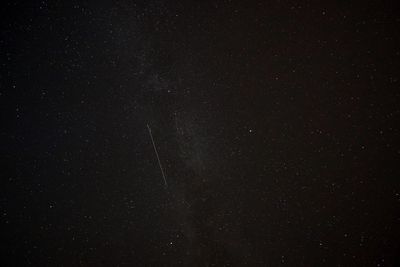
(158,157)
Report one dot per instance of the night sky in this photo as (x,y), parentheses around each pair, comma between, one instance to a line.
(276,124)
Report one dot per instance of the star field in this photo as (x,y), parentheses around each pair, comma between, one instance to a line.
(275,124)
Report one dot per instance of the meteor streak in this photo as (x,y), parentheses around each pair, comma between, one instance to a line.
(158,158)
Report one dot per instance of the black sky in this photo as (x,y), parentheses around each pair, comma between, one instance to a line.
(276,123)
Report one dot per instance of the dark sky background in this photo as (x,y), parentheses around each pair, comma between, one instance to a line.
(276,123)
